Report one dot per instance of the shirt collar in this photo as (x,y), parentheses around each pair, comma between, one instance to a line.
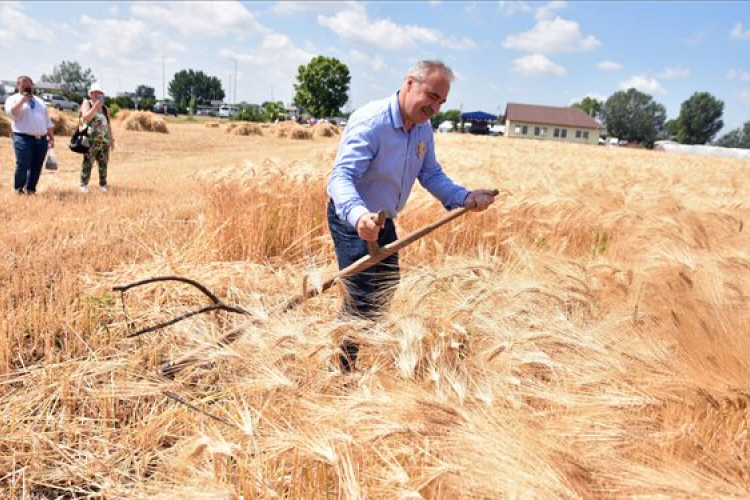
(398,121)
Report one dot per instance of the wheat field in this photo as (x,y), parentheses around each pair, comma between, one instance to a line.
(586,337)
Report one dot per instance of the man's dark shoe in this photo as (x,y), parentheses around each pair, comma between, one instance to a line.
(348,357)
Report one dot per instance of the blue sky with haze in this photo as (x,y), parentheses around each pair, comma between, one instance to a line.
(552,53)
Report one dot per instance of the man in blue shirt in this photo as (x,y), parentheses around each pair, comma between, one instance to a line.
(386,147)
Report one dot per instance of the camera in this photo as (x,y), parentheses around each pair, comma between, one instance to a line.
(27,90)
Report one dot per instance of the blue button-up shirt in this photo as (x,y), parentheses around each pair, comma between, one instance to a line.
(378,162)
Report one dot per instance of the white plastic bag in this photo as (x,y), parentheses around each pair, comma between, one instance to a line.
(51,163)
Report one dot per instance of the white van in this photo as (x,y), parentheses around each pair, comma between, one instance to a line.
(227,111)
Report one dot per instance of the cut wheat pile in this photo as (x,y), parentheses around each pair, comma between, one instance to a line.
(62,123)
(144,121)
(244,129)
(586,337)
(5,125)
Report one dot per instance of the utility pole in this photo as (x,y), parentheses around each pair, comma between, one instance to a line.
(163,91)
(235,83)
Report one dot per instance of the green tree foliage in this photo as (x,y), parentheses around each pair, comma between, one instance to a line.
(672,127)
(272,111)
(144,97)
(145,92)
(70,74)
(124,102)
(590,106)
(700,119)
(188,84)
(737,138)
(451,115)
(634,116)
(250,114)
(322,86)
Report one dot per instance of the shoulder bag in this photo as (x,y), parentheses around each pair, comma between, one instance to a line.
(79,141)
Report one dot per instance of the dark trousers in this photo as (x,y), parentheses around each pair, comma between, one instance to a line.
(370,291)
(30,154)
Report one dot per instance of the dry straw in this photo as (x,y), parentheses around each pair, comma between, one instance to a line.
(585,336)
(145,121)
(244,129)
(325,130)
(292,130)
(62,123)
(5,125)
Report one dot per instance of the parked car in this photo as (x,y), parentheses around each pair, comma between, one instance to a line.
(164,108)
(228,111)
(59,102)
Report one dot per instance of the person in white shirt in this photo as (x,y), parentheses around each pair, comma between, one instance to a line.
(33,134)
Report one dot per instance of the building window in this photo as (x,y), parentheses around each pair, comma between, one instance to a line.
(518,130)
(564,133)
(578,134)
(557,132)
(544,131)
(537,131)
(525,129)
(586,134)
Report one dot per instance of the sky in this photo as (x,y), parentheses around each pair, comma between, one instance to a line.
(548,53)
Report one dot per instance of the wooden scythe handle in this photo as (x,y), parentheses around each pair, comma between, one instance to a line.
(372,246)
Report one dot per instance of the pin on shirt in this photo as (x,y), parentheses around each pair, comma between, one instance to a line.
(421,149)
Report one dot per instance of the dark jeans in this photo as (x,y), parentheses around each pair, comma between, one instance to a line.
(370,291)
(30,154)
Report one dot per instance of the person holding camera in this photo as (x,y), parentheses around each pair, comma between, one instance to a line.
(95,116)
(33,134)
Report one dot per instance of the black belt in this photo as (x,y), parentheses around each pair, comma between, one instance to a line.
(32,136)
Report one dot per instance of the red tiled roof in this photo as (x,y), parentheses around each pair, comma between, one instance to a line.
(550,115)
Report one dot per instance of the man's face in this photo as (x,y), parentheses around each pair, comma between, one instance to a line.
(424,98)
(25,85)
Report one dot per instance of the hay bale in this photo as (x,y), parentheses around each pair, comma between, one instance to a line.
(61,123)
(325,130)
(283,129)
(300,133)
(246,129)
(293,130)
(212,125)
(230,127)
(122,115)
(145,121)
(5,125)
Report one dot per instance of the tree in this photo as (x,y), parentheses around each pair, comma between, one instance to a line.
(590,106)
(145,92)
(634,116)
(673,128)
(123,102)
(272,111)
(451,115)
(737,138)
(700,119)
(188,84)
(70,74)
(323,86)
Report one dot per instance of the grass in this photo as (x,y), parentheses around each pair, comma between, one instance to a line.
(583,338)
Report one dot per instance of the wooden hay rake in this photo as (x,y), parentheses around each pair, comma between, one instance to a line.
(375,255)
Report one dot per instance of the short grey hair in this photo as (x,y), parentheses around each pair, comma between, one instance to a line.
(423,69)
